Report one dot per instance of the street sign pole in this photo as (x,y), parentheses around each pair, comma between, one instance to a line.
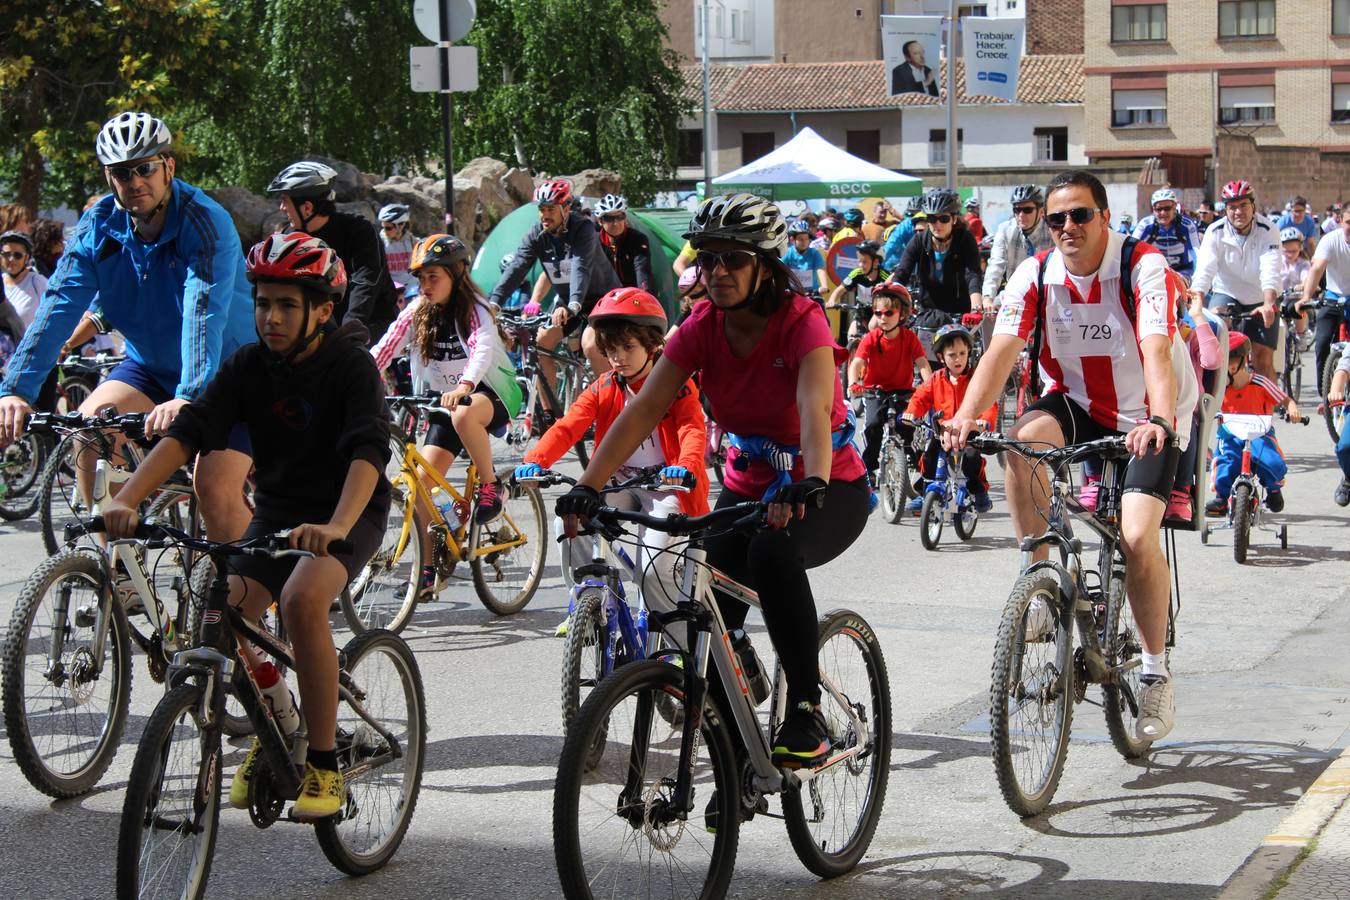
(447,111)
(953,143)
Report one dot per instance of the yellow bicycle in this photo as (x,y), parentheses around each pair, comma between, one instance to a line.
(505,555)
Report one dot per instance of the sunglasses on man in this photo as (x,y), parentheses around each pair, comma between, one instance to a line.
(1080,215)
(1024,210)
(730,260)
(14,256)
(1165,208)
(144,170)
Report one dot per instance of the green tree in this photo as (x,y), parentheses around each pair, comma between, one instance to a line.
(569,84)
(67,65)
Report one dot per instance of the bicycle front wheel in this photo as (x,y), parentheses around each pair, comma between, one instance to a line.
(930,520)
(21,471)
(832,831)
(382,780)
(65,692)
(616,832)
(1123,648)
(893,480)
(584,654)
(507,554)
(1031,695)
(1244,512)
(171,813)
(59,497)
(384,593)
(1333,415)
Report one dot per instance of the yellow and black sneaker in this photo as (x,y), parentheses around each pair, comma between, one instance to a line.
(803,739)
(322,793)
(243,776)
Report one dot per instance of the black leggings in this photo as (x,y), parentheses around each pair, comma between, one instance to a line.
(879,408)
(774,562)
(1328,324)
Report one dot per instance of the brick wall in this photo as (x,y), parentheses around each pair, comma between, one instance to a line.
(1054,26)
(1279,173)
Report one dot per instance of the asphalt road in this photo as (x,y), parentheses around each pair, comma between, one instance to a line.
(1263,697)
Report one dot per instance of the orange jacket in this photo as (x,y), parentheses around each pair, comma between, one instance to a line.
(682,431)
(939,393)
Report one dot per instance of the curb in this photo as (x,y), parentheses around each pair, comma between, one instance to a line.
(1280,850)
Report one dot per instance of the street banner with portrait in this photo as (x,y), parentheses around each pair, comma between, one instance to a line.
(911,47)
(993,55)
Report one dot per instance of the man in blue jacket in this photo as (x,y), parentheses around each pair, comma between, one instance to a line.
(160,262)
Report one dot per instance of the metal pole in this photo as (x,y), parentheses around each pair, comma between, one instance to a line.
(707,109)
(952,143)
(447,111)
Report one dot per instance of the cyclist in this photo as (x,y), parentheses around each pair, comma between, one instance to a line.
(1297,217)
(1126,225)
(1025,234)
(1170,231)
(313,405)
(853,223)
(899,237)
(625,246)
(49,242)
(885,361)
(829,227)
(804,259)
(456,350)
(307,197)
(1249,393)
(946,262)
(882,220)
(1332,220)
(1336,394)
(1239,260)
(24,284)
(396,233)
(1129,375)
(858,285)
(974,224)
(567,246)
(769,370)
(1204,216)
(161,262)
(1332,261)
(630,327)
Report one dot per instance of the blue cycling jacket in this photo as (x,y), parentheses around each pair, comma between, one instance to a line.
(183,302)
(1179,243)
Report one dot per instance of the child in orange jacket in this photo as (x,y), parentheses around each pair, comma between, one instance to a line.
(943,393)
(630,328)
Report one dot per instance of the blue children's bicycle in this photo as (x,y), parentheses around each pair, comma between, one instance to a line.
(942,497)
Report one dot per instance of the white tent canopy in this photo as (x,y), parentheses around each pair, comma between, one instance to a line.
(808,167)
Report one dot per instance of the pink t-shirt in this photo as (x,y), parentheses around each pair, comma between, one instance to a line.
(757,396)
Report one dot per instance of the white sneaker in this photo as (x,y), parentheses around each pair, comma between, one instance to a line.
(1040,620)
(1157,709)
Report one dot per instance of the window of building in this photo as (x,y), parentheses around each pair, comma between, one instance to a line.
(1247,105)
(1052,145)
(755,144)
(1340,103)
(1139,23)
(1246,18)
(1138,108)
(937,146)
(740,26)
(689,148)
(1340,17)
(972,9)
(864,145)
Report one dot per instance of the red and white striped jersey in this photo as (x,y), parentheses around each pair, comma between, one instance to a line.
(1090,347)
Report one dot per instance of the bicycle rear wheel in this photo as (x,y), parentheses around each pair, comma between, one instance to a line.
(382,786)
(171,813)
(584,653)
(507,554)
(615,832)
(384,593)
(846,798)
(1031,697)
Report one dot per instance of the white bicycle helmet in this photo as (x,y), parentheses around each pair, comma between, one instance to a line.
(306,179)
(1164,195)
(131,135)
(611,203)
(396,213)
(1291,234)
(743,218)
(1027,193)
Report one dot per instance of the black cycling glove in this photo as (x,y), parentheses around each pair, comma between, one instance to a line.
(581,501)
(808,491)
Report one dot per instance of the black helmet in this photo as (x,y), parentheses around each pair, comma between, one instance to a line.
(914,205)
(438,250)
(953,332)
(870,248)
(1028,193)
(941,200)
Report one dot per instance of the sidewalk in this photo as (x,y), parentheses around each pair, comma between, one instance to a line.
(1325,872)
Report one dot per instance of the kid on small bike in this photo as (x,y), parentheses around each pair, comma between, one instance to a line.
(630,329)
(944,393)
(313,404)
(1249,393)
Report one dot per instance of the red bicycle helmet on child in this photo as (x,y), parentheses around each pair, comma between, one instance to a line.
(297,258)
(893,288)
(1239,189)
(556,191)
(1238,343)
(631,305)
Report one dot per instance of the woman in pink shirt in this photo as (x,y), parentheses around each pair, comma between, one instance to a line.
(769,369)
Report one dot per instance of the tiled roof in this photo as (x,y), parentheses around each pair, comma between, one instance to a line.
(862,85)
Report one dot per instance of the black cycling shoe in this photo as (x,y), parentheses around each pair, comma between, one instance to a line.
(1275,501)
(803,739)
(710,812)
(1342,495)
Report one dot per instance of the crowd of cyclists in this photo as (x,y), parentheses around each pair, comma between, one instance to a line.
(269,366)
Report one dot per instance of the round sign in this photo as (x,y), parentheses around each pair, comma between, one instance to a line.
(427,16)
(842,258)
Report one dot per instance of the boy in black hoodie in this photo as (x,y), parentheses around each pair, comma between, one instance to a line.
(313,403)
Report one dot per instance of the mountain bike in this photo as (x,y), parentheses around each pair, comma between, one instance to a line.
(1291,374)
(633,781)
(1246,502)
(545,402)
(893,478)
(942,498)
(171,814)
(1038,675)
(506,555)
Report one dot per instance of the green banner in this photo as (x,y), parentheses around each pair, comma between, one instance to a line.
(827,190)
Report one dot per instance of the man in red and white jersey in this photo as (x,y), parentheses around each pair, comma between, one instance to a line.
(1113,363)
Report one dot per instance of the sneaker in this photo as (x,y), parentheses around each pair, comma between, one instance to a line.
(1157,708)
(1040,620)
(243,776)
(982,502)
(803,739)
(1275,501)
(915,504)
(872,501)
(1342,495)
(322,794)
(489,502)
(1216,507)
(1179,505)
(1088,496)
(426,585)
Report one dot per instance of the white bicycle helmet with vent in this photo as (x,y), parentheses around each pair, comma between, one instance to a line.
(611,203)
(1164,195)
(742,218)
(131,135)
(396,213)
(305,179)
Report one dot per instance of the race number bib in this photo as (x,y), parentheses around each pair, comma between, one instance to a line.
(1088,329)
(560,270)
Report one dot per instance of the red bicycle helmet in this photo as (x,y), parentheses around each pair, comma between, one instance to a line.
(631,305)
(557,191)
(894,289)
(1237,342)
(1239,189)
(297,258)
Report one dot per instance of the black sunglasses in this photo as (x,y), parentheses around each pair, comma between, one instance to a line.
(14,255)
(144,170)
(614,217)
(1024,210)
(1166,207)
(730,260)
(1081,215)
(942,218)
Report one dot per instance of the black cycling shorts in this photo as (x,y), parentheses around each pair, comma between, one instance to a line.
(1153,474)
(272,574)
(441,431)
(1254,328)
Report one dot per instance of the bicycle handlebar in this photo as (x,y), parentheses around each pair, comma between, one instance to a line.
(990,443)
(744,515)
(648,478)
(424,402)
(132,424)
(274,546)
